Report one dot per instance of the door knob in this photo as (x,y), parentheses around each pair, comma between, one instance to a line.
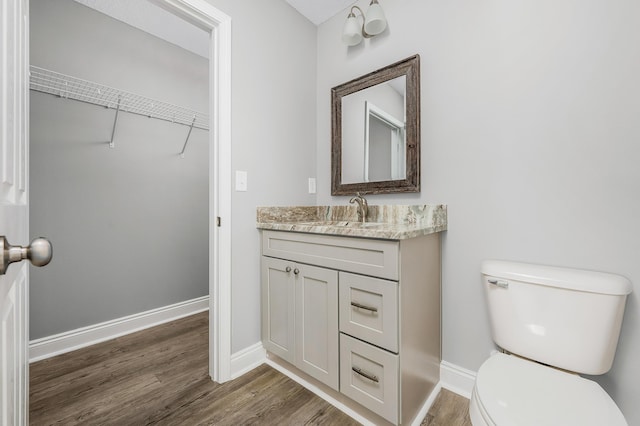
(39,252)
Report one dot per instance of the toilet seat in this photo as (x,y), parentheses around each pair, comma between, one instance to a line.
(511,391)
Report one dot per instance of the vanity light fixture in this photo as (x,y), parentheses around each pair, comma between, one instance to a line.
(373,24)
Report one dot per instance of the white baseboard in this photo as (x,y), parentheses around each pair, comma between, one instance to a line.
(68,341)
(457,379)
(247,359)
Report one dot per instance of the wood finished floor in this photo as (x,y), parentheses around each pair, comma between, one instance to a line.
(160,376)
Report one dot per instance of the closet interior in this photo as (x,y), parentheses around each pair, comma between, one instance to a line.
(129,225)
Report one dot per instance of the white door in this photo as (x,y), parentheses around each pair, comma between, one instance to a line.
(14,209)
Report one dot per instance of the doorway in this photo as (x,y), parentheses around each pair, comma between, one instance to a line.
(210,19)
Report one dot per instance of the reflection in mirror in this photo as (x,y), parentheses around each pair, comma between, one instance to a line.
(376,132)
(384,152)
(374,122)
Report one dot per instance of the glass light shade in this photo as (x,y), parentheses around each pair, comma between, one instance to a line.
(375,22)
(351,33)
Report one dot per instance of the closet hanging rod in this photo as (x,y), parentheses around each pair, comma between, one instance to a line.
(65,86)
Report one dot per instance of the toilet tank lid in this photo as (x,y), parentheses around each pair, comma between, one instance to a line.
(553,276)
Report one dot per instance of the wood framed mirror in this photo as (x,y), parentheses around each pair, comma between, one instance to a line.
(375,131)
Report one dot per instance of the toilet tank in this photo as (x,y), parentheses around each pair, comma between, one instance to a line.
(567,318)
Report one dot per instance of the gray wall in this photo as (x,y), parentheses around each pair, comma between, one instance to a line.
(529,133)
(129,225)
(273,132)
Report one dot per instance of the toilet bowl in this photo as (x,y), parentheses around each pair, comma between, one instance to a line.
(511,391)
(544,318)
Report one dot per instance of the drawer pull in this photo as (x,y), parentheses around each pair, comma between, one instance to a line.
(365,375)
(365,307)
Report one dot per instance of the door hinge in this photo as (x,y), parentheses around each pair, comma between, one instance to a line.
(218,221)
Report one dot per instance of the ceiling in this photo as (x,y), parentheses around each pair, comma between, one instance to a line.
(156,21)
(318,11)
(146,16)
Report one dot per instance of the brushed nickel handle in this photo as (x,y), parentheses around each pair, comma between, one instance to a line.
(365,307)
(39,252)
(366,375)
(499,283)
(287,269)
(296,271)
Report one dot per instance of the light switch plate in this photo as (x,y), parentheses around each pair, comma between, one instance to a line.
(241,180)
(312,185)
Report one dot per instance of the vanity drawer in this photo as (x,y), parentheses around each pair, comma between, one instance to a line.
(370,376)
(369,309)
(378,258)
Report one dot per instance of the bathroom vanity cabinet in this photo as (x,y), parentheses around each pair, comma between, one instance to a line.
(360,315)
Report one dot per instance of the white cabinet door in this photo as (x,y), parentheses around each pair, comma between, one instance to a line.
(317,323)
(300,317)
(14,109)
(278,304)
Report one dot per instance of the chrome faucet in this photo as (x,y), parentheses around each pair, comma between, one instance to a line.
(363,207)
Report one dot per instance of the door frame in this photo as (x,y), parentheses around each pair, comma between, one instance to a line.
(206,16)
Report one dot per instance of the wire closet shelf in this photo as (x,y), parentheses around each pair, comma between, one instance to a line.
(68,87)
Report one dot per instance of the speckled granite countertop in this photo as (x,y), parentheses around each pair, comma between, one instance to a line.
(388,222)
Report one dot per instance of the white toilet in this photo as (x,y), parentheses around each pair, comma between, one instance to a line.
(553,323)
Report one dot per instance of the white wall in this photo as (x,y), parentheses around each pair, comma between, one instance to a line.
(129,225)
(529,133)
(273,135)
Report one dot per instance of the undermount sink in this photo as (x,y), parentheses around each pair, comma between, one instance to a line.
(344,224)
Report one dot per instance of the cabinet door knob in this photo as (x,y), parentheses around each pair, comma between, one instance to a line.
(38,252)
(288,269)
(296,271)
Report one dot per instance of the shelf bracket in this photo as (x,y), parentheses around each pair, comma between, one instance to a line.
(115,121)
(184,147)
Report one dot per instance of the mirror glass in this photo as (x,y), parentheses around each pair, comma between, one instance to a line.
(374,120)
(375,132)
